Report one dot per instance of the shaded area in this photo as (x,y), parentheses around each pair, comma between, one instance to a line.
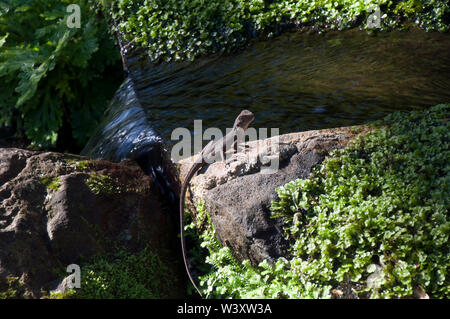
(58,209)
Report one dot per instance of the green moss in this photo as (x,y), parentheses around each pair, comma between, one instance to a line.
(104,185)
(14,289)
(124,275)
(82,166)
(374,215)
(51,182)
(69,294)
(179,30)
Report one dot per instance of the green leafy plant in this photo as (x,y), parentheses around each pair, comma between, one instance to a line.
(14,289)
(178,30)
(373,216)
(381,201)
(51,182)
(226,277)
(124,275)
(53,76)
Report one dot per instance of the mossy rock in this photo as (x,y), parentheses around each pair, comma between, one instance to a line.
(372,221)
(64,209)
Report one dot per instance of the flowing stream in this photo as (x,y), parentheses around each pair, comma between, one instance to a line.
(294,82)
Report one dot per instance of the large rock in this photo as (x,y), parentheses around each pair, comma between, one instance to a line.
(238,195)
(57,210)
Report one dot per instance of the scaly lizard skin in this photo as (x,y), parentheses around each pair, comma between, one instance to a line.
(207,155)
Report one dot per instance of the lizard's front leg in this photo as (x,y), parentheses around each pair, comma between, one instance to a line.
(234,150)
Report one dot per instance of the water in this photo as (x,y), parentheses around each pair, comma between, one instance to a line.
(295,82)
(300,82)
(127,134)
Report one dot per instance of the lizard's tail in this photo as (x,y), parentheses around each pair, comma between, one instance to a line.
(183,243)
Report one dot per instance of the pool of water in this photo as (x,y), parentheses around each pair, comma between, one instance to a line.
(300,81)
(294,82)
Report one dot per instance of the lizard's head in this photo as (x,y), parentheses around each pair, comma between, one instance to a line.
(244,119)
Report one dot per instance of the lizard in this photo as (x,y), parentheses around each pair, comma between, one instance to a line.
(206,156)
